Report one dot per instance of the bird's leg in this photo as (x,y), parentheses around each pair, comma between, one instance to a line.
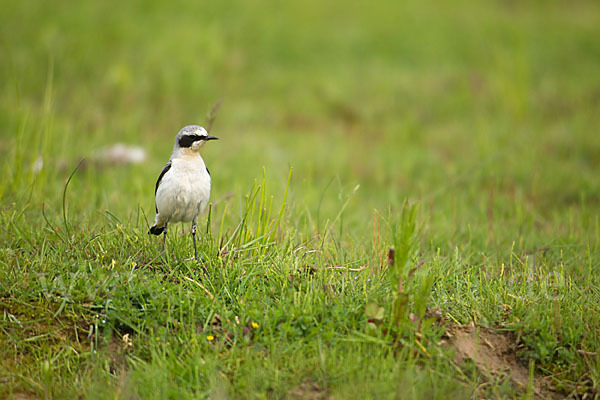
(194,238)
(164,236)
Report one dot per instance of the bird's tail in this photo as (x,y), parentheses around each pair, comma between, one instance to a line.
(160,224)
(156,230)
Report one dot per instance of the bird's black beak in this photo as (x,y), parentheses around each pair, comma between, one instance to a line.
(211,138)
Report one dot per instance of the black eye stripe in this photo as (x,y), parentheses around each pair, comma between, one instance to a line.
(188,140)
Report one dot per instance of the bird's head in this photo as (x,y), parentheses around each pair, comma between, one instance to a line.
(192,137)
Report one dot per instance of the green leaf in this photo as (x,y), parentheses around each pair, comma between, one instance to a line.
(372,310)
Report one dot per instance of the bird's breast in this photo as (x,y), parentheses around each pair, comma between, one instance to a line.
(184,190)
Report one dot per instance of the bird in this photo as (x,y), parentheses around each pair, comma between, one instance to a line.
(183,187)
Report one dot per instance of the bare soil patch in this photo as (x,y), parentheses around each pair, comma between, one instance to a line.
(308,390)
(495,353)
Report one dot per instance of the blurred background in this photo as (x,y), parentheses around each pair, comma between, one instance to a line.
(481,111)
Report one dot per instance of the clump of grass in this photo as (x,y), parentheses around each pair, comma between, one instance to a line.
(401,320)
(257,228)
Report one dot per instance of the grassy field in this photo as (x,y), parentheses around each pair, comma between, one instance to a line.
(462,135)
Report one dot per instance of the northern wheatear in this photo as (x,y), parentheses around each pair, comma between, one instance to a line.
(183,187)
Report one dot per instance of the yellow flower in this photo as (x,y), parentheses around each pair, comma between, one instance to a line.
(254,325)
(210,338)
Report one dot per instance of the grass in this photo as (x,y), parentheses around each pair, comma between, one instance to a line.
(463,136)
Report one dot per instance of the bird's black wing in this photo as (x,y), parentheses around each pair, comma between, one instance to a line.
(162,173)
(208,171)
(165,169)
